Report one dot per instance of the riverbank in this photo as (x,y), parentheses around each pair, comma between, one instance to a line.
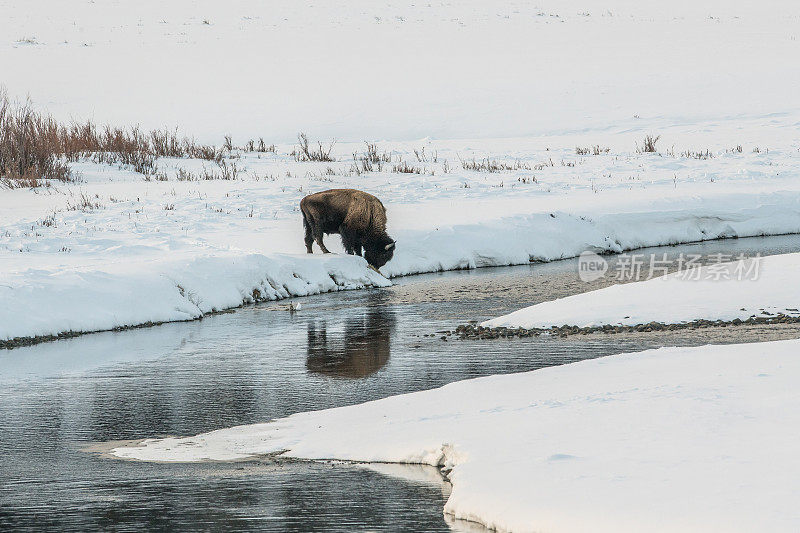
(148,252)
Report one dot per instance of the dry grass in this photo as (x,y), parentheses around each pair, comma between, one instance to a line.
(372,155)
(131,146)
(701,154)
(304,152)
(228,171)
(30,146)
(259,147)
(85,203)
(492,165)
(34,147)
(648,145)
(263,148)
(404,168)
(370,160)
(423,158)
(594,150)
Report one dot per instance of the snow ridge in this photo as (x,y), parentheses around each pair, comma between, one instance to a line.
(124,294)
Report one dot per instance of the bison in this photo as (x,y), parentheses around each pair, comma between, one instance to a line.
(358,217)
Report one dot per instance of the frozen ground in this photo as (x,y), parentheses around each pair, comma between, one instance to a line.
(548,79)
(675,439)
(756,287)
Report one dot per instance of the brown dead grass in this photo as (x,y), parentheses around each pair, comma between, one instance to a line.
(36,148)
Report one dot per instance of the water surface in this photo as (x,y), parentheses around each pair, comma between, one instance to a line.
(263,362)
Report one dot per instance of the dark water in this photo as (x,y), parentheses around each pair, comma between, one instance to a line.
(264,362)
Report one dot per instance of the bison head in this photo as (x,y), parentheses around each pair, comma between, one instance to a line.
(379,252)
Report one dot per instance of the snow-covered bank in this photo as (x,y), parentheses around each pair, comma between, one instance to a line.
(154,251)
(563,227)
(756,287)
(675,439)
(130,293)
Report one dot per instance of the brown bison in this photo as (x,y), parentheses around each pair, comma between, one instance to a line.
(358,217)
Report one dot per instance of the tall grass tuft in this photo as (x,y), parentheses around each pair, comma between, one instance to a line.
(492,165)
(34,147)
(649,144)
(30,146)
(305,152)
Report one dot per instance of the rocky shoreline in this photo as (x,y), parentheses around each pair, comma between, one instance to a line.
(477,332)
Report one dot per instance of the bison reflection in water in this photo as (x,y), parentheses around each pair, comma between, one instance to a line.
(362,350)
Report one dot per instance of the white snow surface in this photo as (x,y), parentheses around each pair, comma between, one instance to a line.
(400,69)
(674,439)
(722,291)
(129,293)
(117,250)
(521,84)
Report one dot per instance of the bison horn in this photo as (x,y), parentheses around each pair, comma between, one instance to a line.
(390,246)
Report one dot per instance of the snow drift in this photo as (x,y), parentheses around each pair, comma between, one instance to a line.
(42,302)
(713,292)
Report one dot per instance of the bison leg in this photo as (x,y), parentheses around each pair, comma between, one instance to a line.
(346,244)
(350,244)
(318,237)
(309,238)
